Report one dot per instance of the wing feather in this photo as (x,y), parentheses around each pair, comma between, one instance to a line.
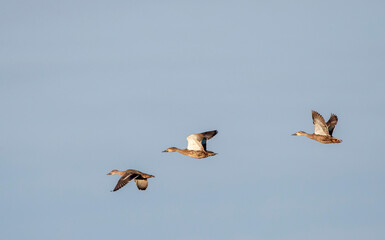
(320,127)
(197,142)
(209,134)
(331,124)
(126,178)
(142,184)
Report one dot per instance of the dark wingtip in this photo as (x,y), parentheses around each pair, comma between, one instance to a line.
(210,134)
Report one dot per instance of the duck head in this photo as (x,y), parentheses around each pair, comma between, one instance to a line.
(113,172)
(299,133)
(170,149)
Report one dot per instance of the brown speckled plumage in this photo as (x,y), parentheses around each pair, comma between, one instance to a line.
(130,174)
(322,131)
(196,145)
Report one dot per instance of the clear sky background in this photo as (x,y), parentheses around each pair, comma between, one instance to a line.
(91,86)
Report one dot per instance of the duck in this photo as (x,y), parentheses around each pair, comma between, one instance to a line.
(128,175)
(323,132)
(196,145)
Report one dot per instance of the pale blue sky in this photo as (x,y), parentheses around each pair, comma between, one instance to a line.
(91,86)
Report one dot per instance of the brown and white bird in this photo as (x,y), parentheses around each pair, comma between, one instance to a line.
(196,145)
(322,131)
(130,174)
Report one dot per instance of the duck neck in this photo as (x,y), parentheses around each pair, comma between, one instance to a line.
(305,134)
(311,136)
(180,150)
(120,173)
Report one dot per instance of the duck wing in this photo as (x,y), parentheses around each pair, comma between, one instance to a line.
(331,124)
(197,142)
(320,127)
(141,183)
(126,178)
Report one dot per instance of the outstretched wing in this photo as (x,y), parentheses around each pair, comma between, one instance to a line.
(124,180)
(320,127)
(331,124)
(197,142)
(142,184)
